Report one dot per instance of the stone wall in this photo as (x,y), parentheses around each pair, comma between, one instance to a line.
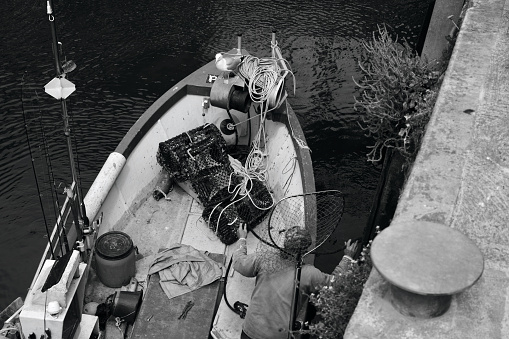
(460,179)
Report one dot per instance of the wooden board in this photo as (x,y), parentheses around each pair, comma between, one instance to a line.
(158,315)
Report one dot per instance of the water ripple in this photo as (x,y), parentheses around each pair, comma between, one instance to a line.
(130,52)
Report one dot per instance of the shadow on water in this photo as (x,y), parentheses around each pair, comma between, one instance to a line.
(130,52)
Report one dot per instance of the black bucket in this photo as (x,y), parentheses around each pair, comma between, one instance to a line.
(115,259)
(126,305)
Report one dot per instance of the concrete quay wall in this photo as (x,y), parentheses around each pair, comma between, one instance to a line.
(460,179)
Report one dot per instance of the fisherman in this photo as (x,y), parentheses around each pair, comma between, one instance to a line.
(268,315)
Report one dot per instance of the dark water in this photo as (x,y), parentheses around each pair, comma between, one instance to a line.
(130,52)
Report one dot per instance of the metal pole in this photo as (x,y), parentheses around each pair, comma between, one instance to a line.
(67,132)
(49,10)
(295,299)
(273,43)
(65,116)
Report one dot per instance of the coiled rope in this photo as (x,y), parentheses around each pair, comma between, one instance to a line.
(262,75)
(263,78)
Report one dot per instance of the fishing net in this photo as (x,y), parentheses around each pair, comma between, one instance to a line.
(199,156)
(297,226)
(318,213)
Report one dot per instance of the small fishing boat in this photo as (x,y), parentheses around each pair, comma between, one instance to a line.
(219,148)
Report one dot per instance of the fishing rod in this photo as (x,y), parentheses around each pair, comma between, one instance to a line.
(60,88)
(33,169)
(51,177)
(80,186)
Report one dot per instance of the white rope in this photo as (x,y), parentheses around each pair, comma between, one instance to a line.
(301,143)
(262,77)
(293,164)
(242,189)
(239,192)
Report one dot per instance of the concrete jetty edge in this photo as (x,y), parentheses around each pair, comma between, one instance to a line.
(460,179)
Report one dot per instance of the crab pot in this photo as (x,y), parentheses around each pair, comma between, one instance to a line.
(126,305)
(115,260)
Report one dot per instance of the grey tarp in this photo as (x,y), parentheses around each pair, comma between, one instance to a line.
(183,269)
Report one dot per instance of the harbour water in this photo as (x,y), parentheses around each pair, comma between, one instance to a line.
(129,52)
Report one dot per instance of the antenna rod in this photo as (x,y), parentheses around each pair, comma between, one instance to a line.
(273,43)
(65,116)
(67,132)
(51,18)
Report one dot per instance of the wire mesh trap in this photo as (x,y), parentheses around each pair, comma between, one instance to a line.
(199,156)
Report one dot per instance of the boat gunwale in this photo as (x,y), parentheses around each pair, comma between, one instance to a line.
(184,87)
(150,117)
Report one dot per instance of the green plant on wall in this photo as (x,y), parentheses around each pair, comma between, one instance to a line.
(398,92)
(336,303)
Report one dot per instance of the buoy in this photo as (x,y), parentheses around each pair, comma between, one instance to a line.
(53,308)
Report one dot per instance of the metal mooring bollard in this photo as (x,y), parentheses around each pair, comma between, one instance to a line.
(426,264)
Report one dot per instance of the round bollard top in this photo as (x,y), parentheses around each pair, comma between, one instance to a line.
(427,258)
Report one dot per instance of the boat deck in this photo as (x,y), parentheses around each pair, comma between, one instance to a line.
(154,225)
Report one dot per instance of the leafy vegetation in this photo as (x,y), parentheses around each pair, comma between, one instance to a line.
(398,93)
(336,303)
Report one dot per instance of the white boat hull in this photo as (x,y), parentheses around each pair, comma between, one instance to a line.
(122,191)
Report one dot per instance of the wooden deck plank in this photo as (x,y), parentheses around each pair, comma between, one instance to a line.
(186,227)
(151,226)
(158,315)
(198,235)
(155,224)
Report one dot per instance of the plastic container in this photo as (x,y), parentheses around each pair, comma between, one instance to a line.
(126,305)
(115,261)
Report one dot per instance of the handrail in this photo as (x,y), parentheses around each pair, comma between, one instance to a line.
(61,220)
